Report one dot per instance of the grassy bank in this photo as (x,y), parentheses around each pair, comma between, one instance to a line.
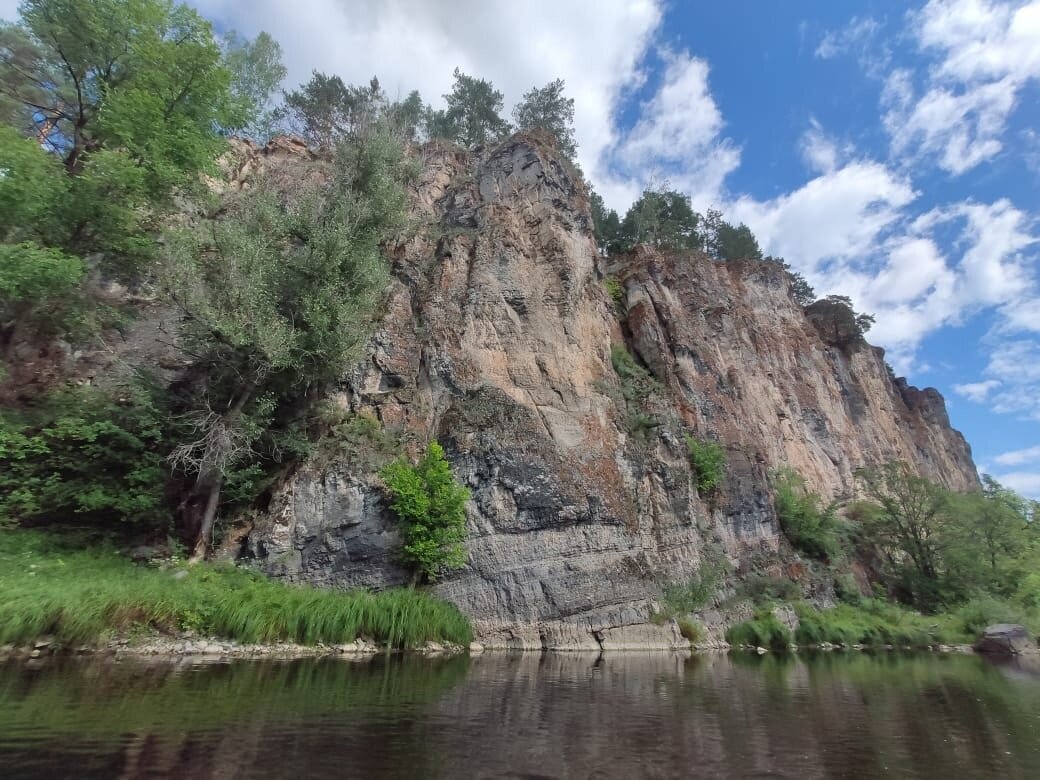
(81,596)
(874,623)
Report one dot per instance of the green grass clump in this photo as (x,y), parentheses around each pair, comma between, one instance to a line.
(84,595)
(873,623)
(764,630)
(691,630)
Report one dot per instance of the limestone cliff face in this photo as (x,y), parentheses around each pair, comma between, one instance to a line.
(497,342)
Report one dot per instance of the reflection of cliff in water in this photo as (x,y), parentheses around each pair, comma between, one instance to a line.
(557,715)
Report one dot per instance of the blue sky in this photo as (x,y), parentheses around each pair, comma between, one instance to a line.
(888,150)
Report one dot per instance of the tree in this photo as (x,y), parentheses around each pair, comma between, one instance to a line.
(473,113)
(549,110)
(326,111)
(141,76)
(406,116)
(280,293)
(606,225)
(432,506)
(736,243)
(664,219)
(907,528)
(801,290)
(256,72)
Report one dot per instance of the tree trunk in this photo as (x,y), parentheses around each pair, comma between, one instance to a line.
(209,516)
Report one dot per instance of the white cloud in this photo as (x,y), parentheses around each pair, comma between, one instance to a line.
(821,152)
(596,48)
(1018,457)
(987,52)
(977,391)
(855,34)
(837,215)
(679,134)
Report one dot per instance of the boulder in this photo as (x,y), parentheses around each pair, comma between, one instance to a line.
(1003,639)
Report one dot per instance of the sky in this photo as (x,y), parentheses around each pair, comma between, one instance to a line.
(889,151)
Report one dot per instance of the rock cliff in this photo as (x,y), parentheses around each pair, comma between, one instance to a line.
(497,341)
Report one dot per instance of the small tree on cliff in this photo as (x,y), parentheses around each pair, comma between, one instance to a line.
(473,115)
(279,292)
(548,109)
(432,506)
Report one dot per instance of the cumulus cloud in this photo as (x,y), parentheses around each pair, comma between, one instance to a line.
(678,135)
(986,54)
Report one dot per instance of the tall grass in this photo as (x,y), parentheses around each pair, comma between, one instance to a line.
(83,595)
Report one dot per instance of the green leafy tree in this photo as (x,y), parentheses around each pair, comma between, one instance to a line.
(84,456)
(736,243)
(407,116)
(907,527)
(802,292)
(280,292)
(606,226)
(432,505)
(327,111)
(663,219)
(546,108)
(256,73)
(473,113)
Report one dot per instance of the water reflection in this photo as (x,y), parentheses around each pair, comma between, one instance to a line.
(524,716)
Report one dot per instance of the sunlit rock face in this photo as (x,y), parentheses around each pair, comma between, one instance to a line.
(497,342)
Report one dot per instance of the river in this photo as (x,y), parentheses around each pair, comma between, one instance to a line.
(624,715)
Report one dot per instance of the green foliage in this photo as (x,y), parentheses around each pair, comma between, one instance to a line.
(547,109)
(974,615)
(874,624)
(664,219)
(700,590)
(807,524)
(606,226)
(616,292)
(432,506)
(281,290)
(691,630)
(473,115)
(32,183)
(735,243)
(256,72)
(801,290)
(765,589)
(81,596)
(83,456)
(326,111)
(708,460)
(39,290)
(636,382)
(356,441)
(764,630)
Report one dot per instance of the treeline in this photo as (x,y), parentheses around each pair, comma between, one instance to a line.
(921,544)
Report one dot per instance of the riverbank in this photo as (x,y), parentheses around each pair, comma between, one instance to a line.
(69,596)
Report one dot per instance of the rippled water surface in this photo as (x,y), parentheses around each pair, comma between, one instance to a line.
(523,716)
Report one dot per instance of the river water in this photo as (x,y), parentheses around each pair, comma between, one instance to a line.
(624,715)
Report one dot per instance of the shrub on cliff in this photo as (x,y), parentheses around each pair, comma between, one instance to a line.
(708,460)
(808,525)
(432,506)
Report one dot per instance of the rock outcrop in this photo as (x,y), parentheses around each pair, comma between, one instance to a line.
(497,342)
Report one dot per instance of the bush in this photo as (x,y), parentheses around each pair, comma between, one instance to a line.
(972,617)
(708,460)
(616,292)
(432,506)
(763,589)
(636,382)
(764,630)
(691,630)
(809,526)
(84,455)
(684,599)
